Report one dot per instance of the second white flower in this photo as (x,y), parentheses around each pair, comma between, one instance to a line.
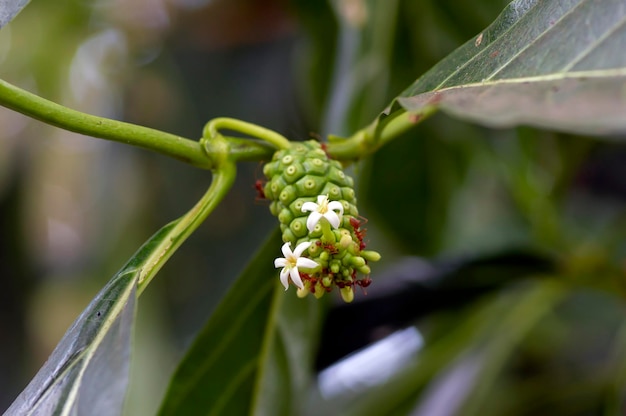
(323,209)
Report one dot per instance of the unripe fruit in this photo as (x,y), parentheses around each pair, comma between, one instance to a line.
(303,174)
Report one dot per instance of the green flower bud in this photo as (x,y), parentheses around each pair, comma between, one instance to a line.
(319,291)
(346,241)
(302,293)
(364,269)
(327,281)
(370,255)
(357,261)
(347,294)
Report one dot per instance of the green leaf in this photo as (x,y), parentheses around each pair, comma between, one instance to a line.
(254,354)
(9,9)
(557,65)
(87,372)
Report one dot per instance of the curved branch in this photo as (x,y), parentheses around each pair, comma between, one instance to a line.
(211,129)
(185,150)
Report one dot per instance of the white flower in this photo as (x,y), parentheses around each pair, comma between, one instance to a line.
(323,208)
(291,262)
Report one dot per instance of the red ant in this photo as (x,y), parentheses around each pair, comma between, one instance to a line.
(360,233)
(324,147)
(357,223)
(356,282)
(309,278)
(259,185)
(330,248)
(364,282)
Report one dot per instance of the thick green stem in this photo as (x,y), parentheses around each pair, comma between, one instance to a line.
(178,230)
(359,145)
(369,139)
(183,149)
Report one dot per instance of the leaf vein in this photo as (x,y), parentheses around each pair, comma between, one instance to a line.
(585,52)
(535,40)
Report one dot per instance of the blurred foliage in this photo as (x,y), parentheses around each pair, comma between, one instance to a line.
(520,302)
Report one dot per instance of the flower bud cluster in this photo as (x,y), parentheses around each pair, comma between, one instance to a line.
(315,203)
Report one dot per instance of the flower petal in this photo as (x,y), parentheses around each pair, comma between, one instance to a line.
(295,277)
(312,221)
(336,206)
(300,249)
(286,249)
(321,199)
(284,277)
(332,218)
(280,262)
(309,206)
(306,263)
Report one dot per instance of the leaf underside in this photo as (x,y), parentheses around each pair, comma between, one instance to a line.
(9,9)
(558,65)
(88,371)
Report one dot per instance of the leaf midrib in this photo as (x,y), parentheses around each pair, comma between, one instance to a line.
(600,73)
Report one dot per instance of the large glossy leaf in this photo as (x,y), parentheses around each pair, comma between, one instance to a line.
(87,372)
(255,352)
(9,9)
(550,64)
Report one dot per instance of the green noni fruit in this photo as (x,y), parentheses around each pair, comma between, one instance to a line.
(315,203)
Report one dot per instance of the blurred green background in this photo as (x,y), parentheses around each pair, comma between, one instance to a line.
(73,209)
